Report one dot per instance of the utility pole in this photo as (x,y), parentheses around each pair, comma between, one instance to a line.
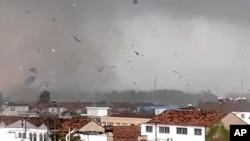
(155,82)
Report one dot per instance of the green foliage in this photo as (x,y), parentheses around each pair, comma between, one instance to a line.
(217,131)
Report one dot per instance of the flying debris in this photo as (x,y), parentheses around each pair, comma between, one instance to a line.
(135,1)
(65,63)
(74,5)
(129,61)
(77,85)
(180,76)
(27,11)
(29,80)
(175,54)
(101,69)
(125,52)
(154,30)
(33,70)
(38,50)
(112,67)
(53,19)
(53,50)
(132,45)
(134,83)
(77,39)
(43,84)
(60,29)
(137,53)
(188,84)
(175,71)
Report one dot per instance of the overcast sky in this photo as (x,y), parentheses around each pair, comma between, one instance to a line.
(206,41)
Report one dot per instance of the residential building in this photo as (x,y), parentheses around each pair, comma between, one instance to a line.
(245,116)
(21,128)
(125,119)
(97,111)
(12,109)
(160,109)
(180,125)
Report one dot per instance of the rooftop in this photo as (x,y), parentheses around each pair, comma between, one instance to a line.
(132,115)
(125,133)
(188,117)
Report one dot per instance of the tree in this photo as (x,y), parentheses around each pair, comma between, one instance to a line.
(44,97)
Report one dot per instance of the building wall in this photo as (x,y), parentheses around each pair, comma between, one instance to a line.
(190,136)
(122,121)
(18,133)
(245,116)
(97,111)
(232,119)
(13,110)
(100,137)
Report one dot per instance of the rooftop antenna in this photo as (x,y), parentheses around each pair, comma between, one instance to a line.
(242,87)
(155,82)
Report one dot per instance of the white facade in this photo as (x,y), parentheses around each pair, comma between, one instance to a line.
(164,132)
(16,130)
(97,111)
(245,116)
(99,137)
(159,110)
(13,110)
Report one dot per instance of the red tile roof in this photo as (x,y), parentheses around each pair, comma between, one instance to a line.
(62,124)
(188,117)
(125,133)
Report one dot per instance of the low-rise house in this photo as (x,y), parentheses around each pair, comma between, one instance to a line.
(179,125)
(13,109)
(125,119)
(28,128)
(97,111)
(245,116)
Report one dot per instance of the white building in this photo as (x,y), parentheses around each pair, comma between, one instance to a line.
(93,137)
(24,129)
(179,125)
(10,109)
(245,116)
(97,111)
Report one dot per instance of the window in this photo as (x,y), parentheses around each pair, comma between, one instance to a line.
(12,108)
(45,137)
(163,129)
(110,123)
(19,135)
(182,131)
(242,115)
(118,124)
(197,131)
(31,137)
(40,137)
(124,124)
(149,129)
(24,135)
(34,137)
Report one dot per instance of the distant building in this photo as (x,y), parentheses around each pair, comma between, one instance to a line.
(97,111)
(245,116)
(12,109)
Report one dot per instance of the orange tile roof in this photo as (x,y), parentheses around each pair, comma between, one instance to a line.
(188,117)
(126,133)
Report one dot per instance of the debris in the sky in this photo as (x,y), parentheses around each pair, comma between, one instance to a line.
(101,69)
(188,84)
(29,80)
(53,80)
(135,1)
(180,76)
(43,84)
(134,83)
(53,50)
(137,53)
(74,5)
(27,11)
(77,39)
(175,71)
(77,85)
(125,52)
(129,61)
(33,70)
(53,19)
(112,67)
(132,45)
(131,69)
(60,29)
(53,73)
(20,68)
(38,50)
(65,63)
(154,30)
(175,54)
